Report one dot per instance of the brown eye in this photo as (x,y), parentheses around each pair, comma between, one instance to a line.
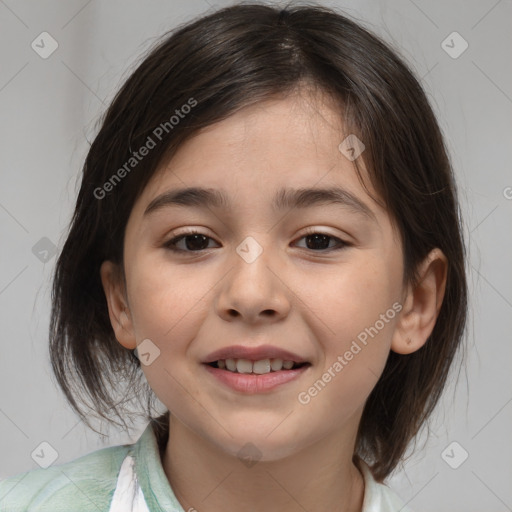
(322,241)
(192,241)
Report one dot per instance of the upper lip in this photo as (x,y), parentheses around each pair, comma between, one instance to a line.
(253,354)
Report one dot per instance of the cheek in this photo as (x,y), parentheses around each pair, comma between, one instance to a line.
(165,299)
(346,300)
(168,305)
(356,315)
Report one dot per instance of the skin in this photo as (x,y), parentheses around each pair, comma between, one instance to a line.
(307,300)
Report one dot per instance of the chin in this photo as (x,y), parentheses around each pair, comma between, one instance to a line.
(254,445)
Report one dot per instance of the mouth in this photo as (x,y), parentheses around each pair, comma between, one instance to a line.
(251,370)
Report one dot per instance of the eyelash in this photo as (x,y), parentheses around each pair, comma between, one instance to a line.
(171,244)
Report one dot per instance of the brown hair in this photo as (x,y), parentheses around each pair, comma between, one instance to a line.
(222,62)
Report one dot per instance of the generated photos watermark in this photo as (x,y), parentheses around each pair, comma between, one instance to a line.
(152,140)
(304,397)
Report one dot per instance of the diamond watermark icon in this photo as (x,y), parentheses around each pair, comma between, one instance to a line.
(44,250)
(454,45)
(44,45)
(351,147)
(44,455)
(454,455)
(249,249)
(147,352)
(249,454)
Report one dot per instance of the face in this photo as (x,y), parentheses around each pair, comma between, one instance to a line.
(318,278)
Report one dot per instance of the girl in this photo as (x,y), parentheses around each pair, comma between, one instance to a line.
(267,232)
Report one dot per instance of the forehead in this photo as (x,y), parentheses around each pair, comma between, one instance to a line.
(257,152)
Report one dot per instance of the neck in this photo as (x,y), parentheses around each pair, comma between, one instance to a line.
(321,477)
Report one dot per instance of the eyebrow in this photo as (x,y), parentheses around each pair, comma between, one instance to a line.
(285,198)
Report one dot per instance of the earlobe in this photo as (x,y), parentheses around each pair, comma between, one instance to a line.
(422,304)
(118,311)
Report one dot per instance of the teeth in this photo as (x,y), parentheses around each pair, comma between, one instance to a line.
(258,367)
(261,367)
(276,364)
(244,366)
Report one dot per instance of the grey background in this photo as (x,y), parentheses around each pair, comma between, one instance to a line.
(48,112)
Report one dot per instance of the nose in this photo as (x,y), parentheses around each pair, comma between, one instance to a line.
(253,292)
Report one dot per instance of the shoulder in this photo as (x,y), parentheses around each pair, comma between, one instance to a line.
(379,497)
(87,482)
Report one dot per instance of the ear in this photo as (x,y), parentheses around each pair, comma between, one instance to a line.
(118,311)
(421,305)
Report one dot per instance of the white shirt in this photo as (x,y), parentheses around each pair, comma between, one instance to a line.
(128,495)
(128,478)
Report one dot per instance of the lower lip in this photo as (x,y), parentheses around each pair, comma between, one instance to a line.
(252,383)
